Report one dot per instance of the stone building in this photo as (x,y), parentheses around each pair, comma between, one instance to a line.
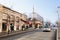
(8,17)
(36,21)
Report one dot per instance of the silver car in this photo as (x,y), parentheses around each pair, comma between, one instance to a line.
(46,29)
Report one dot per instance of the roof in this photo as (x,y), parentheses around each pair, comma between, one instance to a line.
(11,9)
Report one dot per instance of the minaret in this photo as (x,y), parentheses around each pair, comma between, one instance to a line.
(33,13)
(33,25)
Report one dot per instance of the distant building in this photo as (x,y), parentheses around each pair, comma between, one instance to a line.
(48,24)
(36,20)
(10,17)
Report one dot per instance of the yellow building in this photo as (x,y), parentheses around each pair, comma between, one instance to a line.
(8,17)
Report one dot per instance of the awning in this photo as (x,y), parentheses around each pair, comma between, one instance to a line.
(27,22)
(23,20)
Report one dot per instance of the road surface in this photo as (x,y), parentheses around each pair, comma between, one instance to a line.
(34,35)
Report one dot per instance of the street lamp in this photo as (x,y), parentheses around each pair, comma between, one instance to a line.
(58,11)
(58,8)
(58,22)
(58,15)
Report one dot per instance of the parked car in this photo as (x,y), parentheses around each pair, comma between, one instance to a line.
(46,29)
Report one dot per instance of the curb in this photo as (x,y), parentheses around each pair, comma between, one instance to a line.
(12,34)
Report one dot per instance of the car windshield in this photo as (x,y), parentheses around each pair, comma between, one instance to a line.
(45,26)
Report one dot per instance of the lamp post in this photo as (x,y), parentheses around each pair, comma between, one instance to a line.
(58,22)
(58,8)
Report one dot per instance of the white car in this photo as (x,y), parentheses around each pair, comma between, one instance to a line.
(46,29)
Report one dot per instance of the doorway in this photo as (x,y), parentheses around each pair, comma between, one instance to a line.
(4,27)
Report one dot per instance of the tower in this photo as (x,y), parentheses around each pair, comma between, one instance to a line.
(33,13)
(33,19)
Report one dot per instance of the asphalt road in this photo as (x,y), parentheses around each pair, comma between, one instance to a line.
(34,35)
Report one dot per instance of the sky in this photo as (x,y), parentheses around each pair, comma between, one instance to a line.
(45,8)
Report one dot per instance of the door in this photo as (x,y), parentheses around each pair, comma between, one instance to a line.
(4,27)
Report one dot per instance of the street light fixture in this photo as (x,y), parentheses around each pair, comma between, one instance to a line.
(58,12)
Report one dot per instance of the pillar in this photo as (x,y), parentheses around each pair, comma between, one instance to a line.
(15,24)
(20,26)
(0,22)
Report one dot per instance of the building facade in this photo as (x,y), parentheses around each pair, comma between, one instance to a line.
(10,17)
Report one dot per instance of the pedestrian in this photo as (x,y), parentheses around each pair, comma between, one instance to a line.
(30,25)
(26,26)
(40,26)
(23,26)
(12,27)
(35,26)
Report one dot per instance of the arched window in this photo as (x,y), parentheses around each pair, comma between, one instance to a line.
(11,18)
(5,16)
(17,19)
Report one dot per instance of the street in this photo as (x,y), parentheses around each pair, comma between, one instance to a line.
(34,35)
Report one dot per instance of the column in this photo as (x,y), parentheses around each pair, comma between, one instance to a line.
(15,24)
(20,26)
(0,22)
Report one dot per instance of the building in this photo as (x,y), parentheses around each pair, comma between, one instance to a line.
(10,17)
(36,21)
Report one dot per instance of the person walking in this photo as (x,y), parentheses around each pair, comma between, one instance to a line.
(12,27)
(35,26)
(26,26)
(23,26)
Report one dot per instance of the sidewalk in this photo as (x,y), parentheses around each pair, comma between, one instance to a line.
(5,34)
